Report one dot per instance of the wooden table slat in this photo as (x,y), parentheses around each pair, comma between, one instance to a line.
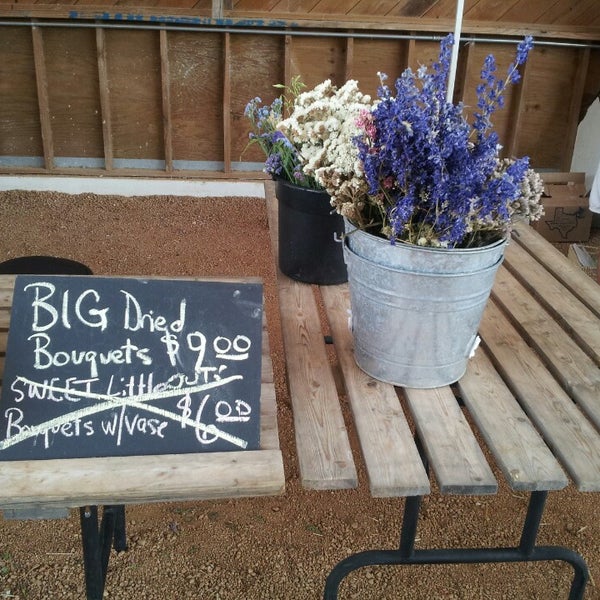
(552,259)
(458,462)
(394,466)
(324,452)
(322,441)
(565,308)
(523,457)
(577,372)
(572,438)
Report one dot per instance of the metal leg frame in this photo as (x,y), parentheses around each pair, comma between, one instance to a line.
(527,551)
(97,542)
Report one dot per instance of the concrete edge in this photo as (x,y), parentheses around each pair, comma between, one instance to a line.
(117,186)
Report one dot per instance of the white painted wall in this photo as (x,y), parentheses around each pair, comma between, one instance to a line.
(134,186)
(586,154)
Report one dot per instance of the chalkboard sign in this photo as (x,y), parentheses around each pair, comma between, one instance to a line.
(100,366)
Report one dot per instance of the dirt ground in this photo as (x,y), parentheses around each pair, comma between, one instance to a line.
(265,548)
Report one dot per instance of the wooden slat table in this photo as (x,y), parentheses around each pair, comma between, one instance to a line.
(49,488)
(532,390)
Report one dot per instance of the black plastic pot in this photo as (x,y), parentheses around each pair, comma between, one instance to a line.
(310,236)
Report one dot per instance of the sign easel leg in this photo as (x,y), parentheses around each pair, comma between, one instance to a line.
(97,541)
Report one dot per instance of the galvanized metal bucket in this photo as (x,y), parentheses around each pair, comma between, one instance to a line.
(416,311)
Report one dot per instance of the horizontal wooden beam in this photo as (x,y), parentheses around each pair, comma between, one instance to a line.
(83,172)
(94,481)
(233,19)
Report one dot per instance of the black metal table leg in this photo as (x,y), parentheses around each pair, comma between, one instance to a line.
(527,551)
(97,541)
(120,538)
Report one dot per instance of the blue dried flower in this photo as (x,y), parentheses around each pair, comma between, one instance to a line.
(282,157)
(523,50)
(251,107)
(273,164)
(432,176)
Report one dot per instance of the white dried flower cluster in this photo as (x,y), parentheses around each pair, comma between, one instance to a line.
(322,125)
(529,204)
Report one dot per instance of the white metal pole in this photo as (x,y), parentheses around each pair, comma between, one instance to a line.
(454,57)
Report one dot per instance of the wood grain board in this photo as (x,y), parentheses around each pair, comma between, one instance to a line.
(525,460)
(452,449)
(394,465)
(322,442)
(572,438)
(168,100)
(418,14)
(97,481)
(563,355)
(558,265)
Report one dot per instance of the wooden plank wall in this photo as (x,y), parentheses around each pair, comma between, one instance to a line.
(566,19)
(97,100)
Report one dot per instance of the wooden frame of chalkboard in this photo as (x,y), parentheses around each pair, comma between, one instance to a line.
(107,366)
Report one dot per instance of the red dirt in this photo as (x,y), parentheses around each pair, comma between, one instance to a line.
(264,548)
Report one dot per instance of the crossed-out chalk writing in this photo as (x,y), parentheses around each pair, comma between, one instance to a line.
(140,402)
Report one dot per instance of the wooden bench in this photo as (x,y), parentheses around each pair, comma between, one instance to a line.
(532,390)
